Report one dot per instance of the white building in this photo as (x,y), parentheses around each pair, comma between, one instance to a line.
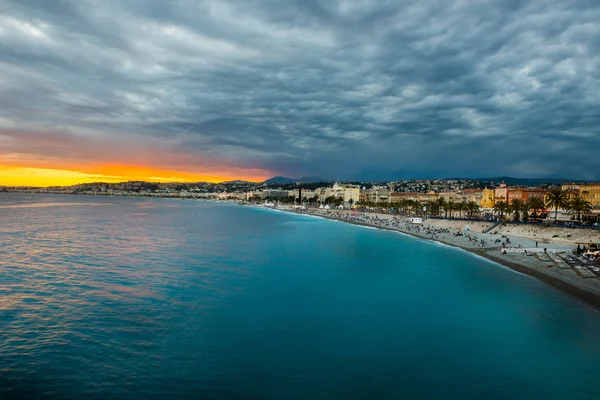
(306,194)
(351,194)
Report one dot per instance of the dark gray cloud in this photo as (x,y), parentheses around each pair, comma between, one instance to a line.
(342,89)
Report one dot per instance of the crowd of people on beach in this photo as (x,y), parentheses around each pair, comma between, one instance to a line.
(404,225)
(587,256)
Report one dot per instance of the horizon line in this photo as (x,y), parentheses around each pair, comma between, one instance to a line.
(322,181)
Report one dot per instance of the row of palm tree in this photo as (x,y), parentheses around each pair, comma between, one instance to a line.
(404,205)
(449,206)
(519,208)
(434,207)
(556,199)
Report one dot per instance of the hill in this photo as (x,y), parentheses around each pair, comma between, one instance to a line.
(284,180)
(529,181)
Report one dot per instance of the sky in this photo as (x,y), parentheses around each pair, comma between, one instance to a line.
(177,90)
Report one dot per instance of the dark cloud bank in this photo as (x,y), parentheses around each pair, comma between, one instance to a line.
(342,89)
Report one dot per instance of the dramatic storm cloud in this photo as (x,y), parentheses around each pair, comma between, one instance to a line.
(338,88)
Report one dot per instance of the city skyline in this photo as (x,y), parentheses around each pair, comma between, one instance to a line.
(365,90)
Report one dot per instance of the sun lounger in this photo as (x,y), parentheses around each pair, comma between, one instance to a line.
(543,256)
(559,261)
(577,265)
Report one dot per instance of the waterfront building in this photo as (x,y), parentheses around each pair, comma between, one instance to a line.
(591,193)
(276,193)
(336,191)
(341,191)
(376,195)
(225,196)
(256,195)
(572,193)
(320,194)
(363,196)
(472,195)
(450,196)
(461,196)
(306,194)
(571,186)
(397,197)
(429,196)
(487,198)
(524,194)
(351,193)
(501,193)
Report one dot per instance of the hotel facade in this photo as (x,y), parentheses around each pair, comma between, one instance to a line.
(590,192)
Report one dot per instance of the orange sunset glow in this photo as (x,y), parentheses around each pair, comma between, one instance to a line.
(44,177)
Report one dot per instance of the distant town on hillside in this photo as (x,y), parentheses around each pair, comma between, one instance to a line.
(482,197)
(282,183)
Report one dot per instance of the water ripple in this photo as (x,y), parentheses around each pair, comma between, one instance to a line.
(111,298)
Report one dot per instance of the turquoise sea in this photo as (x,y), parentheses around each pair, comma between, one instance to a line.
(120,298)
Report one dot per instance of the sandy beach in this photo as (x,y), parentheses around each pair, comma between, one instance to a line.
(537,256)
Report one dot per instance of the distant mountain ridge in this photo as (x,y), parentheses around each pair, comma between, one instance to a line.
(236,181)
(286,180)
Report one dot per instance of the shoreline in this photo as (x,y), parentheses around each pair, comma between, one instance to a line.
(564,280)
(568,287)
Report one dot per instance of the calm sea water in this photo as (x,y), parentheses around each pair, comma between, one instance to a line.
(116,298)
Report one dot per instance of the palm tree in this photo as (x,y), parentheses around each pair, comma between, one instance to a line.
(432,206)
(536,204)
(556,199)
(393,205)
(398,206)
(441,204)
(579,205)
(501,207)
(516,206)
(472,207)
(427,206)
(465,206)
(416,206)
(402,205)
(460,207)
(450,207)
